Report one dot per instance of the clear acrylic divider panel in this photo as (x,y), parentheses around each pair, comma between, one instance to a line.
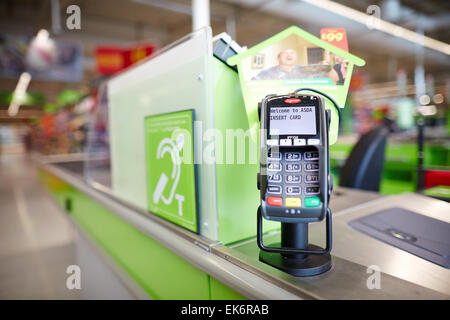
(179,77)
(97,169)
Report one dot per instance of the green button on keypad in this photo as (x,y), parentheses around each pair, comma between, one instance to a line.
(311,202)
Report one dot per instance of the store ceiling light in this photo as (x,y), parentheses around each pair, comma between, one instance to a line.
(19,94)
(382,25)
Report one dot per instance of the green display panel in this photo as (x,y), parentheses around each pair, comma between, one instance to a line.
(290,60)
(170,167)
(237,195)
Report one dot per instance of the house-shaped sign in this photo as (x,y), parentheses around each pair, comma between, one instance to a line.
(290,60)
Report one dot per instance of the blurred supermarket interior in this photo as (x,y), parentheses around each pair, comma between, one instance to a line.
(52,75)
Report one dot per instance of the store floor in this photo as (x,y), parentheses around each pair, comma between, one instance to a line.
(36,240)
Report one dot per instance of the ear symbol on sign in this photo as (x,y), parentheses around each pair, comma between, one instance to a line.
(167,145)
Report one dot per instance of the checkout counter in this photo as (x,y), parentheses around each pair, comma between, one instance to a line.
(131,248)
(149,257)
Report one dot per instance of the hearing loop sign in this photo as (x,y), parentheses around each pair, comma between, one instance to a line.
(170,167)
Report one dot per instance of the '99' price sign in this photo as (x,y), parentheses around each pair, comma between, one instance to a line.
(335,36)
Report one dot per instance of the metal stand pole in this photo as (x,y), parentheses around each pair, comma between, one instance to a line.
(294,235)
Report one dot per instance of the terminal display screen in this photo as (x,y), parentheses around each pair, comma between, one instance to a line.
(292,121)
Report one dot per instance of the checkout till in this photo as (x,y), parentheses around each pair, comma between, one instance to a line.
(173,214)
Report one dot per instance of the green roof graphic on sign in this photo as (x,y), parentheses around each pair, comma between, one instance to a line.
(290,60)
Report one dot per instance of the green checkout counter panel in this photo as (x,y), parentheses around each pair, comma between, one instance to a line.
(156,269)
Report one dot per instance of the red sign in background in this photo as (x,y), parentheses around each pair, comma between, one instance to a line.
(112,59)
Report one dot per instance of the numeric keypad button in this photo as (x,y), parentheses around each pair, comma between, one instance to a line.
(313,166)
(311,155)
(293,178)
(292,167)
(292,156)
(292,190)
(276,178)
(274,166)
(311,178)
(312,190)
(273,155)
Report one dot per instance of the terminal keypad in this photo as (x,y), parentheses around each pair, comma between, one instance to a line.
(293,179)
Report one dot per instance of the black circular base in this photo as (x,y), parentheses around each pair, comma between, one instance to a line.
(311,265)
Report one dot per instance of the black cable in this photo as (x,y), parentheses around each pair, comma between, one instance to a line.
(336,106)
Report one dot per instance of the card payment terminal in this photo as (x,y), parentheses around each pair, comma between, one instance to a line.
(293,179)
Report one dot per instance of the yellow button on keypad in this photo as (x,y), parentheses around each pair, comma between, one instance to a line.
(293,202)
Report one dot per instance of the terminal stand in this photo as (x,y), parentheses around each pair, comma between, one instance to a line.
(296,256)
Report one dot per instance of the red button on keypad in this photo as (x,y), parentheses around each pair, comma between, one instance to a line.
(275,201)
